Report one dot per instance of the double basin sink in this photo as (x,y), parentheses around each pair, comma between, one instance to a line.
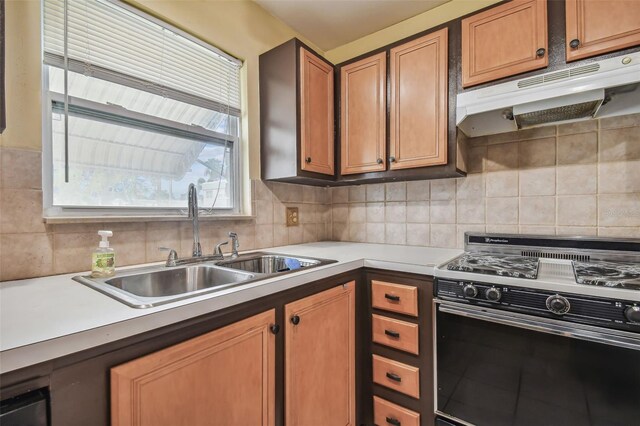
(153,286)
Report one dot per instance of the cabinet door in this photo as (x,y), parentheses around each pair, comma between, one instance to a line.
(363,115)
(320,358)
(226,377)
(316,114)
(597,27)
(418,123)
(503,41)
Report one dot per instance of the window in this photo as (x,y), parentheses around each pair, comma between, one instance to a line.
(146,110)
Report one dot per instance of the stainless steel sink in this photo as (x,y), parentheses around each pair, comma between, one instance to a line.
(269,263)
(153,286)
(177,281)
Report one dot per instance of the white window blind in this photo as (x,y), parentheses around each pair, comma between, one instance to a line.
(135,111)
(111,41)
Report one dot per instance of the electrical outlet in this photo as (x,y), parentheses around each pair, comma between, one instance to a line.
(293,218)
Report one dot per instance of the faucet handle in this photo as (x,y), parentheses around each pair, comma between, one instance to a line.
(217,252)
(173,255)
(234,244)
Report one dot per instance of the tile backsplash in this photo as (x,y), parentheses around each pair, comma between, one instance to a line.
(579,178)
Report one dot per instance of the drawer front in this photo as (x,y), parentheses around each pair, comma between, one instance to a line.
(394,297)
(386,413)
(395,333)
(396,375)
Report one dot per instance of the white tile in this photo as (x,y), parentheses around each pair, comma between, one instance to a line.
(375,192)
(396,191)
(443,211)
(577,210)
(417,234)
(395,212)
(395,233)
(375,212)
(375,233)
(502,184)
(418,190)
(538,182)
(443,236)
(443,189)
(418,212)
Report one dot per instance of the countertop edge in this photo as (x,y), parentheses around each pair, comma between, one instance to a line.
(47,350)
(29,355)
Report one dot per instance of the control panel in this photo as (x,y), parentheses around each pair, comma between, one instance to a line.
(569,307)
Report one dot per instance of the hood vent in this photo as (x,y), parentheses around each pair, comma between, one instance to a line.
(572,107)
(559,75)
(600,89)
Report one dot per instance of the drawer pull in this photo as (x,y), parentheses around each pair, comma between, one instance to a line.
(393,421)
(392,333)
(394,377)
(392,297)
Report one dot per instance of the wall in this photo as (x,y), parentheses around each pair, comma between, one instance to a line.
(29,247)
(578,179)
(429,19)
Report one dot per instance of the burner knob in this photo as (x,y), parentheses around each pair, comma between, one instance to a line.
(558,305)
(632,314)
(493,294)
(470,291)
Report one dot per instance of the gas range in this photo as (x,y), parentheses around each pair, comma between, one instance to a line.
(581,279)
(538,330)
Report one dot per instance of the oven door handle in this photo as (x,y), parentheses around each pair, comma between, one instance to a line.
(543,325)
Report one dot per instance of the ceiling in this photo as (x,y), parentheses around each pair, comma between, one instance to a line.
(332,23)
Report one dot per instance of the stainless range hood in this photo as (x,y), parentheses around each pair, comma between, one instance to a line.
(600,89)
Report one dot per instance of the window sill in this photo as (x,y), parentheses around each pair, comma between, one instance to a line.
(114,219)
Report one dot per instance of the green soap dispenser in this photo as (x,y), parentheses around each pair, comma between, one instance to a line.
(103,259)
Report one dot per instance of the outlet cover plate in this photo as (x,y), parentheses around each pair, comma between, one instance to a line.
(293,217)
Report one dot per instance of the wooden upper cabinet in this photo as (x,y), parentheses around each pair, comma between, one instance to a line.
(419,112)
(320,358)
(597,27)
(363,103)
(316,114)
(505,40)
(226,377)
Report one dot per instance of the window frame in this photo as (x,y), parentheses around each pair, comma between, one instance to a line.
(51,211)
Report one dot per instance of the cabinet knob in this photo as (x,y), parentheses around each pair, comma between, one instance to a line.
(574,43)
(393,421)
(392,159)
(379,161)
(307,160)
(295,320)
(540,52)
(275,328)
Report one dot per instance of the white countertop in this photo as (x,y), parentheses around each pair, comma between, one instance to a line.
(46,318)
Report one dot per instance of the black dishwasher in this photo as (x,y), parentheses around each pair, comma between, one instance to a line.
(30,409)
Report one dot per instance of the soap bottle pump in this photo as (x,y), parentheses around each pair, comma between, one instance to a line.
(103,259)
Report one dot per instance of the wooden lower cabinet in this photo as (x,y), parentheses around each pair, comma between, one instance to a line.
(402,351)
(388,413)
(320,358)
(225,377)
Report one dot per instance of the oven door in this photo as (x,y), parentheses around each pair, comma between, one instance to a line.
(500,368)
